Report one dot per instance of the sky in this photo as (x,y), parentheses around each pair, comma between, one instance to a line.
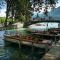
(3,10)
(58,4)
(3,14)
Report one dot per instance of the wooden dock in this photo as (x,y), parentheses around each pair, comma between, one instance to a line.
(53,53)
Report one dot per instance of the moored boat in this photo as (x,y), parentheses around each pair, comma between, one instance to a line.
(28,40)
(38,27)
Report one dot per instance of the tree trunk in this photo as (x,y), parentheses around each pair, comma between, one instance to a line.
(6,19)
(12,12)
(7,11)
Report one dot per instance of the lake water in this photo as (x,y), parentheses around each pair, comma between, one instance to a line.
(9,51)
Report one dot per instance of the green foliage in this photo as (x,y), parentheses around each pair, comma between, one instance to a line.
(2,20)
(20,9)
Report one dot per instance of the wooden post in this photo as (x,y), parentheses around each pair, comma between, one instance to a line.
(55,40)
(20,52)
(19,41)
(32,51)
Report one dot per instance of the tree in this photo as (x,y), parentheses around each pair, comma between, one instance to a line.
(22,9)
(9,9)
(19,8)
(46,4)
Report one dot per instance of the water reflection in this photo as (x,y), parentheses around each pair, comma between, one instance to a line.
(25,53)
(10,51)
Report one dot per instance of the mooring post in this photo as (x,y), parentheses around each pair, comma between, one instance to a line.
(55,40)
(19,41)
(32,51)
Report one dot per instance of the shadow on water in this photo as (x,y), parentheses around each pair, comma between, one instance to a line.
(25,53)
(11,51)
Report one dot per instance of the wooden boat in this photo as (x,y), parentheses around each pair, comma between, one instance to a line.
(28,40)
(54,30)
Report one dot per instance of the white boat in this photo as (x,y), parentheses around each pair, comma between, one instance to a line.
(37,27)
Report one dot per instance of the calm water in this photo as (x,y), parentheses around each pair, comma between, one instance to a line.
(9,51)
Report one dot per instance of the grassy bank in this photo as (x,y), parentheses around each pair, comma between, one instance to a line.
(2,19)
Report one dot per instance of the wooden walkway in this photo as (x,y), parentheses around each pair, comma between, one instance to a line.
(53,53)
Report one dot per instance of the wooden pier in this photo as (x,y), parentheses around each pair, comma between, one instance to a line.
(53,53)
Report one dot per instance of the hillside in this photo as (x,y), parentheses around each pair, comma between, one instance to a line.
(54,14)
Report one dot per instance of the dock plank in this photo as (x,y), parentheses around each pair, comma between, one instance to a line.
(53,53)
